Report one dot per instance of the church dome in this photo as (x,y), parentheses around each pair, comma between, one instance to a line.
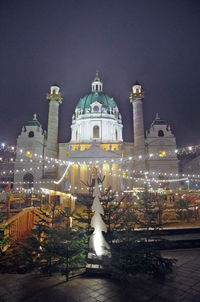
(96,117)
(93,97)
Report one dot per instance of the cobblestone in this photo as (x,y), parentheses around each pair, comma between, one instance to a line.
(183,285)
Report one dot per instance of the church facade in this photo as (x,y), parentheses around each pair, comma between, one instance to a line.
(96,146)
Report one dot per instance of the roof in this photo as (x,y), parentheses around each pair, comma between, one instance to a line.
(55,84)
(96,96)
(34,123)
(96,79)
(158,121)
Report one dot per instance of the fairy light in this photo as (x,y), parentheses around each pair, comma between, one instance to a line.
(129,158)
(110,161)
(59,181)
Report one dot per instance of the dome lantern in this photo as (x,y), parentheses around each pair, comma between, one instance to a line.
(97,85)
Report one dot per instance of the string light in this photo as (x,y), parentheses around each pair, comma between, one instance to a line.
(180,151)
(125,160)
(59,181)
(26,182)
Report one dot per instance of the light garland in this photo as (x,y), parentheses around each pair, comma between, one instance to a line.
(59,181)
(152,156)
(134,172)
(25,182)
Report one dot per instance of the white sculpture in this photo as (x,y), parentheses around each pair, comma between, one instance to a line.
(97,240)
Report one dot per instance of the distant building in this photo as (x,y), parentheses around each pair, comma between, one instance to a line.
(96,146)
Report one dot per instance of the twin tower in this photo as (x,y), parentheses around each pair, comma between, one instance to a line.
(96,138)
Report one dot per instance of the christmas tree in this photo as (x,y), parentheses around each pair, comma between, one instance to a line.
(97,241)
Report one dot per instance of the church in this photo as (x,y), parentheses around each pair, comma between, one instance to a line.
(96,147)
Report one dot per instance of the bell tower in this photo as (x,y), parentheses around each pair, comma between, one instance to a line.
(55,99)
(136,98)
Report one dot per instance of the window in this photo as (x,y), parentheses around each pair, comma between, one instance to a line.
(162,153)
(96,108)
(29,154)
(160,133)
(76,135)
(31,134)
(124,175)
(96,132)
(116,135)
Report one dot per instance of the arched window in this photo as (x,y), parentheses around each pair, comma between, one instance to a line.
(31,134)
(160,133)
(28,178)
(116,135)
(96,132)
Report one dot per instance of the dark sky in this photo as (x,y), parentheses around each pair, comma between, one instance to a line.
(153,41)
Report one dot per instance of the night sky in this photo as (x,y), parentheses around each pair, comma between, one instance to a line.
(156,42)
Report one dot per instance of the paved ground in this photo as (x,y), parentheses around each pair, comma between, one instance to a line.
(182,285)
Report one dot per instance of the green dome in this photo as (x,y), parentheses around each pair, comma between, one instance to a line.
(158,121)
(34,123)
(93,97)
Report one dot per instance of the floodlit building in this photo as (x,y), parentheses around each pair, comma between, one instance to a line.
(96,146)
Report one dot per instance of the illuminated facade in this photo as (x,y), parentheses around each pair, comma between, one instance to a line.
(96,146)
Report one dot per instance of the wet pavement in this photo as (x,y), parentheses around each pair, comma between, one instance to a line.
(181,285)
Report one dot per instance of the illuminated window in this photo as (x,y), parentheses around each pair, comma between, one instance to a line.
(67,153)
(29,154)
(74,147)
(160,133)
(123,153)
(162,153)
(66,175)
(96,132)
(124,173)
(31,134)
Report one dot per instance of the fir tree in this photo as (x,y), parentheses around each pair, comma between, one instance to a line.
(113,212)
(182,209)
(135,248)
(55,246)
(4,234)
